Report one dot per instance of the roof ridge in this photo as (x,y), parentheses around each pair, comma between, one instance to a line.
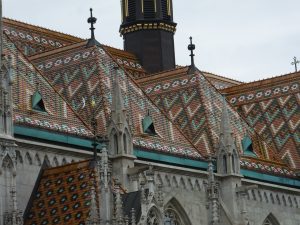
(222,76)
(57,50)
(265,81)
(41,29)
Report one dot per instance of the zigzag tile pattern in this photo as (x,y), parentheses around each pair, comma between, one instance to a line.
(195,106)
(60,116)
(272,107)
(83,74)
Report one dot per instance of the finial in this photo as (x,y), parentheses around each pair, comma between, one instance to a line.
(295,63)
(92,20)
(191,48)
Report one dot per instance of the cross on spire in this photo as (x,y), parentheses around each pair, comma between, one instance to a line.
(295,63)
(192,47)
(92,20)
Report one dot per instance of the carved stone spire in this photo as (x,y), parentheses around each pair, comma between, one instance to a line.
(94,218)
(118,205)
(212,191)
(105,189)
(119,133)
(228,161)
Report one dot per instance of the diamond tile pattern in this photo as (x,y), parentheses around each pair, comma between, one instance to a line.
(63,195)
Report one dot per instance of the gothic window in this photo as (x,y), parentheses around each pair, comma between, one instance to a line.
(175,214)
(125,143)
(271,220)
(152,218)
(224,164)
(37,102)
(116,144)
(171,217)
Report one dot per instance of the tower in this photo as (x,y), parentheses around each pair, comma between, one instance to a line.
(148,31)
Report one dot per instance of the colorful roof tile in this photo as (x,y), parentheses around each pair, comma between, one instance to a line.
(194,105)
(272,108)
(33,39)
(62,195)
(84,75)
(59,115)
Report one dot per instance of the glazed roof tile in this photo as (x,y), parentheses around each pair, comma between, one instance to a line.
(83,75)
(33,39)
(272,108)
(62,195)
(195,105)
(59,115)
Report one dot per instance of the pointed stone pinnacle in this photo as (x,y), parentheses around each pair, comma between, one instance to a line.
(117,99)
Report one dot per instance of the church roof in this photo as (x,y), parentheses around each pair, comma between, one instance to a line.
(30,87)
(62,195)
(195,106)
(83,75)
(185,107)
(272,108)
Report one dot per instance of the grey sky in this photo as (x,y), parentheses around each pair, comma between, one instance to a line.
(242,39)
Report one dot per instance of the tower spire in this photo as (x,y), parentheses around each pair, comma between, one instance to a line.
(228,157)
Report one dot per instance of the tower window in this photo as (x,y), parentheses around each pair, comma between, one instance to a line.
(166,9)
(37,102)
(131,10)
(149,9)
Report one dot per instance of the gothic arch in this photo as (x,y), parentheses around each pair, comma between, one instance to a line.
(114,144)
(47,161)
(64,162)
(37,160)
(7,163)
(175,214)
(55,161)
(19,157)
(154,217)
(271,220)
(28,158)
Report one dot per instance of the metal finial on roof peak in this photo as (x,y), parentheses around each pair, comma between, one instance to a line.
(192,47)
(295,63)
(92,20)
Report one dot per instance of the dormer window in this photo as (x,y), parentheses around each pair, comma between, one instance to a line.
(248,147)
(148,125)
(37,102)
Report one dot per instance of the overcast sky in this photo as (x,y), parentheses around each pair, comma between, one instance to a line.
(243,39)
